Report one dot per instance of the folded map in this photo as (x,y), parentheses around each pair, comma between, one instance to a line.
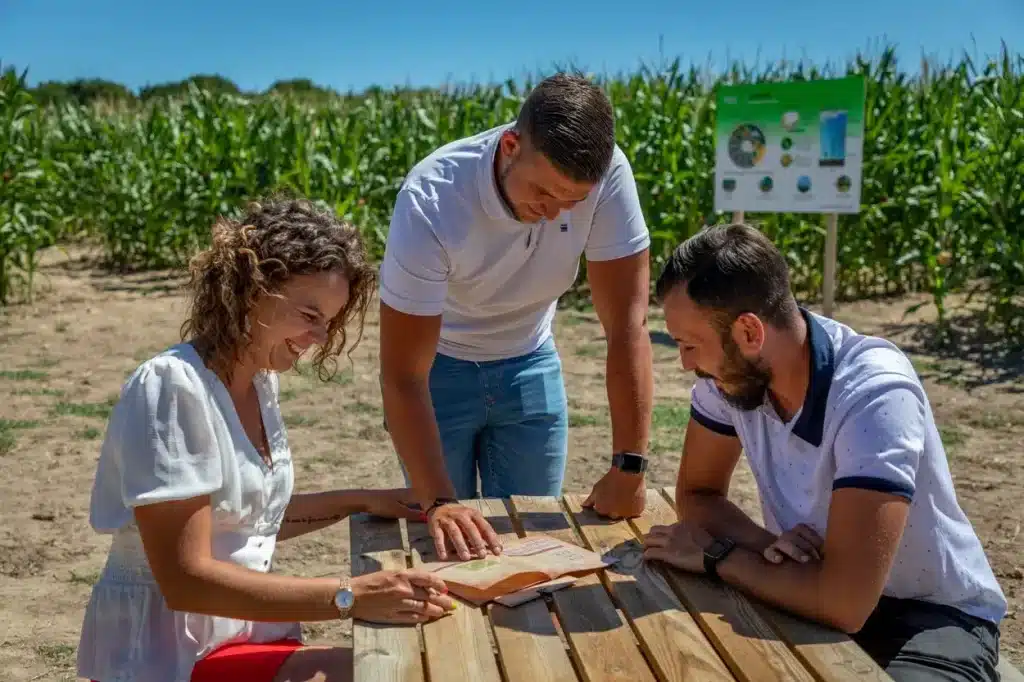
(523,563)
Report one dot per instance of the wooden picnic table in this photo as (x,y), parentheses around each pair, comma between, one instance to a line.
(633,621)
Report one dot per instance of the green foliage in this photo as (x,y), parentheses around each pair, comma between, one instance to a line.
(27,216)
(300,87)
(942,207)
(82,91)
(208,82)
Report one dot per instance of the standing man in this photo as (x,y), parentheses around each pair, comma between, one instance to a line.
(486,235)
(863,529)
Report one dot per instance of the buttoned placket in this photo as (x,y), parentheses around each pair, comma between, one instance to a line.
(268,484)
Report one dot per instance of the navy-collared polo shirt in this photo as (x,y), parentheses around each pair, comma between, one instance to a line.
(865,423)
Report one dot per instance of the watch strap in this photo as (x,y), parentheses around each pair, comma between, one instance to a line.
(714,554)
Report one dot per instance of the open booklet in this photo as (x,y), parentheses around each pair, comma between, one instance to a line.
(523,563)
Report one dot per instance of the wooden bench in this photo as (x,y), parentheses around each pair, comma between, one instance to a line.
(1008,673)
(632,622)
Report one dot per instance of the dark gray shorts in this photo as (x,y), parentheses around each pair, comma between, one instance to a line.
(916,641)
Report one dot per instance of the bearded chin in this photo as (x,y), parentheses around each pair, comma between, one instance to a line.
(749,386)
(749,395)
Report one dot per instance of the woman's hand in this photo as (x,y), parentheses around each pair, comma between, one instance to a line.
(410,596)
(390,503)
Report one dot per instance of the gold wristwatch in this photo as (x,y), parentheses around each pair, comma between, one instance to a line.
(344,599)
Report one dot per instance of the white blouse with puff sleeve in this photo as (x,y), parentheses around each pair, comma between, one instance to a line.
(175,434)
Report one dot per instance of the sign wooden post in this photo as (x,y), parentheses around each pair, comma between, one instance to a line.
(831,244)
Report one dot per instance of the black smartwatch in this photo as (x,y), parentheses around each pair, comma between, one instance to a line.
(629,462)
(716,551)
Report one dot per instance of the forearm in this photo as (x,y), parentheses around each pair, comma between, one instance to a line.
(721,518)
(308,512)
(630,386)
(221,588)
(803,589)
(415,435)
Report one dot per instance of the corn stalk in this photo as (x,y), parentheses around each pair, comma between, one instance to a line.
(942,202)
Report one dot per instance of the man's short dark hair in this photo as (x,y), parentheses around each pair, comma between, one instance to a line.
(570,121)
(731,269)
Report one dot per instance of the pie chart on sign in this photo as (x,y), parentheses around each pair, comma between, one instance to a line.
(746,146)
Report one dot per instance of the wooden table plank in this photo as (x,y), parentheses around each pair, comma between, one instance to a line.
(830,654)
(748,644)
(458,647)
(528,642)
(601,643)
(675,645)
(382,653)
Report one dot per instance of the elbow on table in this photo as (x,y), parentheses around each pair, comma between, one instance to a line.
(849,612)
(847,620)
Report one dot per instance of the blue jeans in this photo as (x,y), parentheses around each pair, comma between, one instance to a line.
(504,420)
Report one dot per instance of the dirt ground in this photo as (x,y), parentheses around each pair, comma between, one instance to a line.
(64,356)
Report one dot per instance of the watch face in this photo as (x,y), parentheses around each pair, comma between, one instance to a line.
(718,548)
(343,599)
(631,463)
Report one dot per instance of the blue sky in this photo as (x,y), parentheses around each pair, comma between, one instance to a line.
(399,42)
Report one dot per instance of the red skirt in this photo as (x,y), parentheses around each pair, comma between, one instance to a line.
(244,662)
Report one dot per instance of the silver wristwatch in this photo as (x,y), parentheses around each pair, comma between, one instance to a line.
(344,599)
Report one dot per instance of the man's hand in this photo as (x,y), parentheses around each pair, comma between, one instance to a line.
(618,495)
(681,545)
(465,528)
(800,543)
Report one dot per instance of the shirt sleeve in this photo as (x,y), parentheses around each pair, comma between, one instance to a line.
(414,272)
(619,228)
(167,448)
(880,440)
(709,409)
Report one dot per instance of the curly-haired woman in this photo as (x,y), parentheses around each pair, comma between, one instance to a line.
(194,480)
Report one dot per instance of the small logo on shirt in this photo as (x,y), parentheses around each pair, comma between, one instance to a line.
(564,227)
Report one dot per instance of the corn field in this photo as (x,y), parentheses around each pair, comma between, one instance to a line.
(942,201)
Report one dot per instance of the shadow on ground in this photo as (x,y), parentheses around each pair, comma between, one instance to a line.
(969,352)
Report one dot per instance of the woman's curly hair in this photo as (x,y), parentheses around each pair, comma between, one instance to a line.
(274,240)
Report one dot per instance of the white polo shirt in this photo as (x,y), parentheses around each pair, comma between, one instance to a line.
(866,423)
(454,249)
